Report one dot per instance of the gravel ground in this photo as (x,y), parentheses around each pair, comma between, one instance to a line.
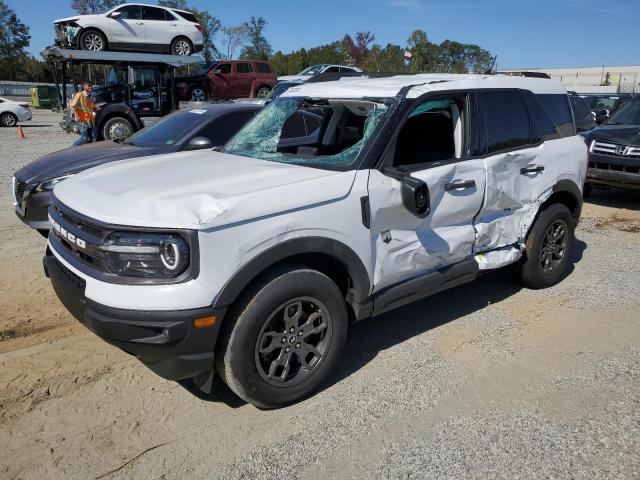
(488,380)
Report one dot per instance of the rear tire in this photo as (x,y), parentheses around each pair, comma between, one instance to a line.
(263,92)
(198,94)
(283,337)
(181,46)
(117,128)
(8,119)
(93,40)
(548,248)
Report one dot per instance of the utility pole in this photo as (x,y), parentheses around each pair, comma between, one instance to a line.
(602,76)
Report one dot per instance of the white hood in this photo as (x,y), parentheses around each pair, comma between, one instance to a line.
(197,190)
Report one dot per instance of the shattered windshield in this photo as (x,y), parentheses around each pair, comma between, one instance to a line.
(324,133)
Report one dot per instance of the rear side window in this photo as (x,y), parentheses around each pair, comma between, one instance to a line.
(189,17)
(558,107)
(243,68)
(542,126)
(152,13)
(506,120)
(263,68)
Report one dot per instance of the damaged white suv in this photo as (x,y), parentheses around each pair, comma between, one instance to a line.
(252,260)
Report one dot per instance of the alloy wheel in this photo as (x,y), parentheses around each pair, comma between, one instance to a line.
(182,47)
(554,245)
(94,42)
(8,120)
(263,92)
(293,342)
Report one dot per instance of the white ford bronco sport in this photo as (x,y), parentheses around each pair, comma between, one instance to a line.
(251,261)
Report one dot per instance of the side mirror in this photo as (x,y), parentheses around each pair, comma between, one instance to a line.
(115,15)
(199,143)
(414,192)
(218,71)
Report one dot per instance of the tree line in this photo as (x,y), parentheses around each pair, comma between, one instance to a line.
(247,41)
(361,51)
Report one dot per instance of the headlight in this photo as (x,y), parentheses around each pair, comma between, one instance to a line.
(48,185)
(145,254)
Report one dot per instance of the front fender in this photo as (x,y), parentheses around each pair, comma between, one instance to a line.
(293,248)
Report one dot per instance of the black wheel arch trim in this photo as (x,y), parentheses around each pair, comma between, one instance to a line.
(358,293)
(569,186)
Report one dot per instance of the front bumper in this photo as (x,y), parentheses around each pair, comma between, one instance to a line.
(614,171)
(34,209)
(165,341)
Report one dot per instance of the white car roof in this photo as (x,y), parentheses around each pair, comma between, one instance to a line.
(384,87)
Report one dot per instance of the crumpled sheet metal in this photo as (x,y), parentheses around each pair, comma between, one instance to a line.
(408,250)
(498,258)
(508,208)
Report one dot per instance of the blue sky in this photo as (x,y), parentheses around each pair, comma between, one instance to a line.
(535,33)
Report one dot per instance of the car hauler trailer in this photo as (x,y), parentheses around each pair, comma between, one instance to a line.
(127,86)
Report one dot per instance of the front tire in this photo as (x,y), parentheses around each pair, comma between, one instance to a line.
(284,337)
(117,128)
(93,40)
(8,119)
(548,248)
(181,46)
(263,92)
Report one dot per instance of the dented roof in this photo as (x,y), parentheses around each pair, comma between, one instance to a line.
(359,87)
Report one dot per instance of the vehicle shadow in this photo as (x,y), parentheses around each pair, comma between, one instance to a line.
(369,337)
(614,198)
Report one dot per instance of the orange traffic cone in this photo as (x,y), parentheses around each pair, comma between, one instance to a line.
(20,132)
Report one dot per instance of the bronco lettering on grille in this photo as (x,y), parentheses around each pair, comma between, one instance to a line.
(70,237)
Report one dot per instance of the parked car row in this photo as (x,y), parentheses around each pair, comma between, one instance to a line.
(614,149)
(336,202)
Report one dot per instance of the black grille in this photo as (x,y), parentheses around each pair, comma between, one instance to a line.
(87,253)
(81,225)
(19,190)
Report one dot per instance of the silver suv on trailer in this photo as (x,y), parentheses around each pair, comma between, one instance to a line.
(252,260)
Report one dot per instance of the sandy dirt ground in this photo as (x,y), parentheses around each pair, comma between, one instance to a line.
(488,380)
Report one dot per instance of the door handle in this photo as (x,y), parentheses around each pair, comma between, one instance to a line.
(139,23)
(531,169)
(174,24)
(460,185)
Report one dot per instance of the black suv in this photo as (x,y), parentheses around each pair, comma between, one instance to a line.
(614,149)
